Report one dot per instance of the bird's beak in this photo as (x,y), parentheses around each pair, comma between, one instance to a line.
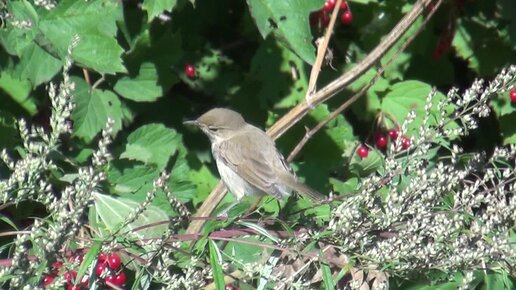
(191,123)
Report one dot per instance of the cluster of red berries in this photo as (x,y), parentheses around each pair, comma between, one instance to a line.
(231,287)
(322,17)
(382,140)
(512,95)
(111,262)
(190,71)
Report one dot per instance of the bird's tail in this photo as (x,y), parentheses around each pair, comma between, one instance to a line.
(304,190)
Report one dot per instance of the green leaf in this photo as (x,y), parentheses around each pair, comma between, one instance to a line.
(151,144)
(156,7)
(143,88)
(288,20)
(112,212)
(260,230)
(95,24)
(508,129)
(19,91)
(363,167)
(349,186)
(37,65)
(216,262)
(327,277)
(502,105)
(131,178)
(89,259)
(92,109)
(407,96)
(272,66)
(15,39)
(8,130)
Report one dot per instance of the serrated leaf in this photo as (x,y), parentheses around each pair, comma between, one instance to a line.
(151,144)
(112,212)
(407,96)
(288,20)
(143,88)
(37,65)
(131,178)
(92,109)
(156,7)
(98,48)
(15,39)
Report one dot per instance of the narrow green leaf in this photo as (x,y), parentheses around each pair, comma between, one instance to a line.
(327,277)
(259,229)
(89,260)
(216,261)
(8,221)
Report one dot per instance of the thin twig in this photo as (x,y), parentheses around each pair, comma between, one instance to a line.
(322,46)
(350,101)
(330,90)
(86,76)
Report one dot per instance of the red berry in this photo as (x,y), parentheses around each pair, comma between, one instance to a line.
(405,142)
(229,287)
(85,280)
(110,279)
(190,71)
(57,264)
(343,5)
(114,261)
(328,5)
(76,258)
(394,133)
(70,275)
(324,19)
(102,257)
(346,18)
(47,280)
(73,287)
(362,151)
(120,279)
(100,268)
(381,141)
(512,95)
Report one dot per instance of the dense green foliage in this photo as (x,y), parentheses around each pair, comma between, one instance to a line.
(254,56)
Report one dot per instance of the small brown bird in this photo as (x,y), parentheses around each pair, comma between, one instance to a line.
(247,159)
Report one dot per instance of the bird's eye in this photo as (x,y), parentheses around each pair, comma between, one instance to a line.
(214,129)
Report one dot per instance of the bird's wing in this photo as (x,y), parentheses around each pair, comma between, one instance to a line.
(250,163)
